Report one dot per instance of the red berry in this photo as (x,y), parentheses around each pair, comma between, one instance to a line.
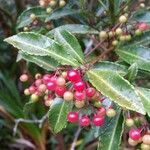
(85,121)
(60,90)
(23,78)
(53,79)
(72,117)
(46,78)
(51,86)
(135,134)
(98,121)
(101,111)
(80,95)
(73,75)
(32,89)
(79,86)
(90,92)
(143,26)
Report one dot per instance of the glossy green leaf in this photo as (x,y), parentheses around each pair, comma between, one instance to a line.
(58,114)
(70,43)
(111,140)
(45,62)
(106,65)
(142,16)
(145,97)
(132,72)
(40,45)
(62,12)
(74,29)
(115,87)
(24,18)
(139,55)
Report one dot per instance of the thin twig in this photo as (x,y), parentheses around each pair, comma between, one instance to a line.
(40,122)
(75,138)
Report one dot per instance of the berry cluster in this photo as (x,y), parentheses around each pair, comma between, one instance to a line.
(70,86)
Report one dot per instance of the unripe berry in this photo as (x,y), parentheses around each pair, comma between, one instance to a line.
(25,29)
(138,32)
(132,142)
(72,117)
(79,86)
(38,76)
(90,92)
(96,95)
(62,3)
(26,92)
(143,26)
(73,75)
(49,10)
(134,134)
(32,89)
(110,112)
(42,3)
(23,78)
(119,31)
(64,74)
(129,122)
(52,3)
(142,5)
(128,37)
(97,104)
(101,111)
(111,34)
(122,38)
(68,96)
(98,121)
(146,139)
(42,88)
(115,43)
(34,97)
(38,82)
(145,146)
(79,104)
(60,91)
(80,96)
(85,121)
(48,102)
(122,19)
(103,35)
(60,81)
(32,16)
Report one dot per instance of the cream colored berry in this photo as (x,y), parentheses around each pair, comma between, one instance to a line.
(115,43)
(145,146)
(146,139)
(122,19)
(79,104)
(110,112)
(68,96)
(52,3)
(103,35)
(33,16)
(119,31)
(132,142)
(62,3)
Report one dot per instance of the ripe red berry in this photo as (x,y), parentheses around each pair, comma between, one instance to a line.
(90,92)
(53,79)
(23,78)
(98,121)
(60,90)
(46,78)
(32,89)
(73,75)
(135,134)
(72,117)
(101,111)
(79,86)
(51,86)
(85,121)
(80,95)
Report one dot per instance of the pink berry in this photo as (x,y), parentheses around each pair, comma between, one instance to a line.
(98,121)
(53,79)
(73,75)
(80,95)
(85,121)
(90,92)
(143,26)
(51,86)
(32,89)
(42,88)
(72,117)
(38,82)
(101,111)
(23,78)
(135,134)
(79,86)
(60,81)
(60,91)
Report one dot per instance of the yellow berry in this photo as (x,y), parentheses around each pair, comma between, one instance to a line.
(132,142)
(122,19)
(119,31)
(110,112)
(62,3)
(103,35)
(145,146)
(115,43)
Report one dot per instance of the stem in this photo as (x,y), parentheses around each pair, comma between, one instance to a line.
(112,11)
(75,138)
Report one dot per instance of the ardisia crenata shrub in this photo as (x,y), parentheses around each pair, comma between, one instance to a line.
(96,58)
